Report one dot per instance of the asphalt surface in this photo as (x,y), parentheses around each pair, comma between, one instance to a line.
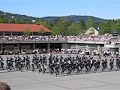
(28,80)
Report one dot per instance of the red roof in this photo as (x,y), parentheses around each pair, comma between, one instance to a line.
(22,28)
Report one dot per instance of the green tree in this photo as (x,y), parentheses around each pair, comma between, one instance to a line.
(47,24)
(105,27)
(3,20)
(55,30)
(76,28)
(19,21)
(117,26)
(82,26)
(12,20)
(60,28)
(113,22)
(89,23)
(41,32)
(27,32)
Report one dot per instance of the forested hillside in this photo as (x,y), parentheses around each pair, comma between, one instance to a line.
(64,25)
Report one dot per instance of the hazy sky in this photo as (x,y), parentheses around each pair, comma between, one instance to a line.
(108,9)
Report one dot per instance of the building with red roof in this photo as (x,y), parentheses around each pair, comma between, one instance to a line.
(20,28)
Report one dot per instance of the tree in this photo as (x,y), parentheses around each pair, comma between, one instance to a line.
(47,24)
(117,26)
(76,28)
(41,32)
(3,20)
(89,23)
(113,22)
(27,32)
(82,26)
(19,21)
(60,28)
(105,27)
(55,30)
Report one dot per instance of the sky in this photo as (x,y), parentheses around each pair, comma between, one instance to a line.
(107,9)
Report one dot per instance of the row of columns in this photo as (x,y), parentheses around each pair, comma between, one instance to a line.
(64,46)
(18,46)
(98,47)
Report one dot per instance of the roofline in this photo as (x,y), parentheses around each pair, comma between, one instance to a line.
(4,27)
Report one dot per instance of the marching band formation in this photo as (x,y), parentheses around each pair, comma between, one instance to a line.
(60,65)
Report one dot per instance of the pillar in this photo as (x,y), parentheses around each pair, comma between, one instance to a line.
(98,48)
(18,46)
(87,47)
(119,50)
(48,46)
(65,45)
(34,46)
(1,46)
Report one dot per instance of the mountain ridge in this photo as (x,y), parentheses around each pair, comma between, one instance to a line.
(29,19)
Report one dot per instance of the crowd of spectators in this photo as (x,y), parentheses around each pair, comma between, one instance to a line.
(60,51)
(32,38)
(99,38)
(19,38)
(51,51)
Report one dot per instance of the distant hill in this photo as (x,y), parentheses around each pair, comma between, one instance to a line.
(17,18)
(74,18)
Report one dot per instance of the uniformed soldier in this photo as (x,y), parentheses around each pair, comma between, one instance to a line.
(111,64)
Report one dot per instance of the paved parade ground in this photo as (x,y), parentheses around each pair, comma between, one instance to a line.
(29,80)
